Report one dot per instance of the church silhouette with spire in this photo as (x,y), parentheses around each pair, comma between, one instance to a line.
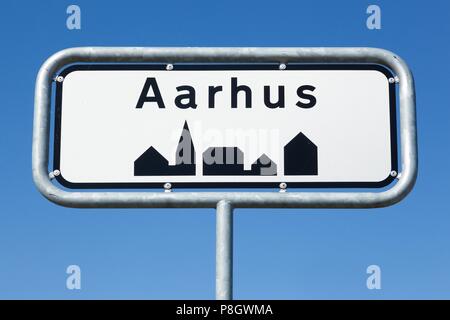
(152,163)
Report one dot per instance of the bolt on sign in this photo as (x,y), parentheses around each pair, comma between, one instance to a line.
(239,125)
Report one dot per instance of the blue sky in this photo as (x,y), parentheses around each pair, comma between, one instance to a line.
(168,253)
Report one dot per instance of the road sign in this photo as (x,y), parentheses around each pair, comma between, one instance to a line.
(308,124)
(310,92)
(225,125)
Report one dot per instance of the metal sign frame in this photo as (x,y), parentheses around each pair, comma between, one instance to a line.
(41,132)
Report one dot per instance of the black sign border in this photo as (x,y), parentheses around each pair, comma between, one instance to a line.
(225,66)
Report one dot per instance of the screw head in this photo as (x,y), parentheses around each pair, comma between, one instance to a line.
(391,80)
(167,186)
(169,67)
(282,66)
(393,173)
(283,185)
(53,174)
(59,78)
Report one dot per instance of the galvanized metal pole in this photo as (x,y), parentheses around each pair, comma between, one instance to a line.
(224,250)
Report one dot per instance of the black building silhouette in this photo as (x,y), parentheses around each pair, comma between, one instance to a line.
(152,163)
(263,166)
(223,161)
(229,161)
(300,156)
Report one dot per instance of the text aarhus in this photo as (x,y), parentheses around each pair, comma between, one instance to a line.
(186,99)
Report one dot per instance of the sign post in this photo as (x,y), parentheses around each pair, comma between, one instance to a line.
(164,119)
(224,250)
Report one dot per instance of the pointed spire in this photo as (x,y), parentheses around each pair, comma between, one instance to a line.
(185,153)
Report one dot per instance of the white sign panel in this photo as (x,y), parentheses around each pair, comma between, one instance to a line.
(210,125)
